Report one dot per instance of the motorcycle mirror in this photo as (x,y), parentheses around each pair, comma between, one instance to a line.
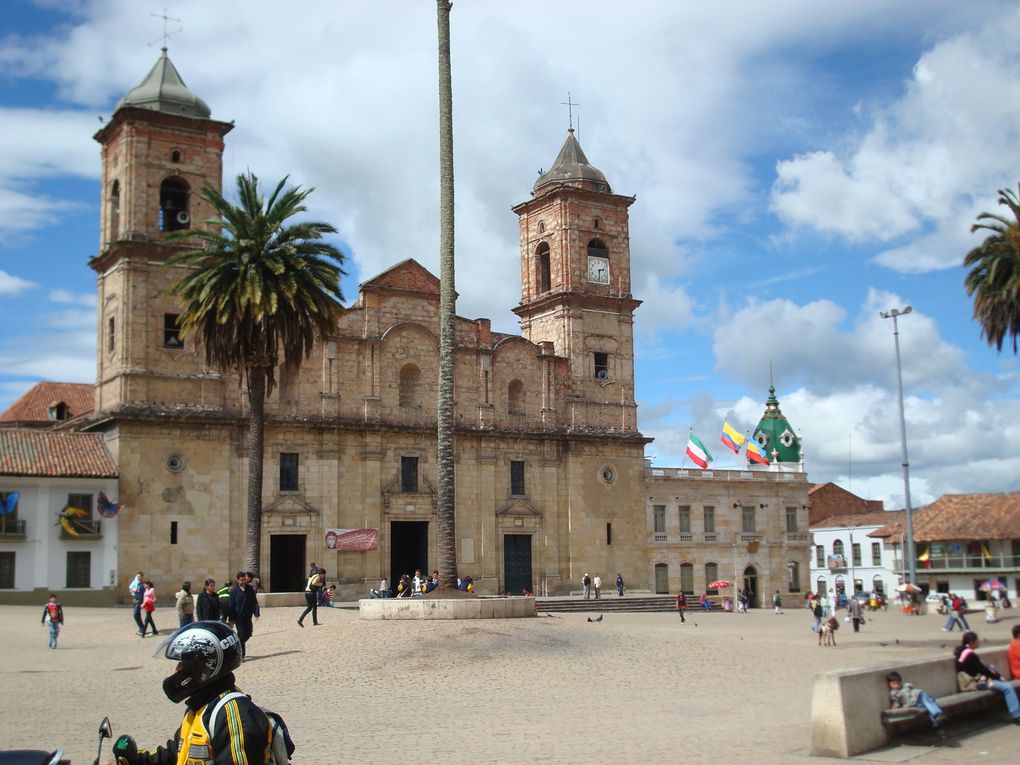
(105,731)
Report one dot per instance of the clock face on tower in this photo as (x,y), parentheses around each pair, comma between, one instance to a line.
(598,270)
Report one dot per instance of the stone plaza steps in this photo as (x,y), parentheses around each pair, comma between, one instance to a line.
(609,602)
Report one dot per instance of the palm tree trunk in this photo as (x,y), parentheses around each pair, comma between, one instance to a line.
(446,532)
(256,447)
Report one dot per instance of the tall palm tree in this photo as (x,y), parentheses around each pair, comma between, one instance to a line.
(446,531)
(260,290)
(994,279)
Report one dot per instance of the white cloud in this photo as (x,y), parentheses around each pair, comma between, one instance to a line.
(66,296)
(14,285)
(927,163)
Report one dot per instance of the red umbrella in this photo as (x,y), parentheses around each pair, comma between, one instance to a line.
(720,584)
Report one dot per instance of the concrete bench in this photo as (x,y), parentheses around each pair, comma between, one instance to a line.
(850,708)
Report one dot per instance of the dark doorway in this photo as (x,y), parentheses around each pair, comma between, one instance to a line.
(409,549)
(751,586)
(517,563)
(287,570)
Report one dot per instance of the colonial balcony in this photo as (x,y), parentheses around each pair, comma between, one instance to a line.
(969,563)
(11,529)
(87,531)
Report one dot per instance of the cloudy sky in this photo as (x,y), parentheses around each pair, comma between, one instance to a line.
(798,166)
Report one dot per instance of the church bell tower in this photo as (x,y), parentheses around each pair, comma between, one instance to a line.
(159,148)
(576,285)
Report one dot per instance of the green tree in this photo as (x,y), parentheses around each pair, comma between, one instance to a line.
(994,278)
(446,531)
(260,290)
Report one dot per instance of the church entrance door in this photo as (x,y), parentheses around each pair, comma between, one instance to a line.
(409,549)
(287,570)
(517,563)
(751,586)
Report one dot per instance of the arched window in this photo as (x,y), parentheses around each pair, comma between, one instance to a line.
(114,211)
(515,397)
(175,156)
(837,548)
(711,575)
(544,269)
(597,248)
(661,578)
(410,378)
(174,213)
(793,583)
(687,578)
(878,585)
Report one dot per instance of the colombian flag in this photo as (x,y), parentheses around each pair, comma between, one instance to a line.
(755,454)
(731,439)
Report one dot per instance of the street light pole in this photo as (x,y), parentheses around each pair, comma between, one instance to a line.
(911,559)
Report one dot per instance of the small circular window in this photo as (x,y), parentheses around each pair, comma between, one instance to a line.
(787,438)
(762,439)
(608,474)
(174,463)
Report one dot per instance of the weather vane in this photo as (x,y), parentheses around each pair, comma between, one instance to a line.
(570,110)
(166,32)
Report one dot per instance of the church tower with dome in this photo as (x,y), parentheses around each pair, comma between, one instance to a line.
(159,148)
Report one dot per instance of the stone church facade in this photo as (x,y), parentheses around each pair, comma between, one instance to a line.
(551,480)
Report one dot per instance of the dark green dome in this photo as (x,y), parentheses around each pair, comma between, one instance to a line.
(775,435)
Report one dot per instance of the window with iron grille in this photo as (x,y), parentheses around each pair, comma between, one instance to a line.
(876,553)
(857,553)
(81,502)
(6,570)
(819,555)
(79,569)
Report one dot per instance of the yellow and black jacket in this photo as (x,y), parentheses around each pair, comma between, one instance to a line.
(240,734)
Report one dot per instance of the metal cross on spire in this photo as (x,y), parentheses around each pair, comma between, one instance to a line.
(166,32)
(570,109)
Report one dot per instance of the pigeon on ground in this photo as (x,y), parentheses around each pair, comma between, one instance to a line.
(600,618)
(590,619)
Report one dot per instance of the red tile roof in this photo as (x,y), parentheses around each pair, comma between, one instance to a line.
(963,517)
(33,407)
(48,453)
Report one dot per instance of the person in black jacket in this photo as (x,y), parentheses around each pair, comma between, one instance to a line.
(207,604)
(243,607)
(221,725)
(969,662)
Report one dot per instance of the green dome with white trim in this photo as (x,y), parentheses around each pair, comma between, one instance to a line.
(775,435)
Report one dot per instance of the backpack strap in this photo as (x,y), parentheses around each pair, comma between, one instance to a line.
(219,705)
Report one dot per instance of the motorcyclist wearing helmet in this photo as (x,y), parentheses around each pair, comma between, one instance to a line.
(215,731)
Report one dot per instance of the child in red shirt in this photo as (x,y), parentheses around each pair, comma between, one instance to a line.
(53,615)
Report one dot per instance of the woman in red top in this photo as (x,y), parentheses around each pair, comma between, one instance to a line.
(148,606)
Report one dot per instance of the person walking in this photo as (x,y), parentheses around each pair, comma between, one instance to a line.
(137,590)
(586,584)
(53,617)
(223,595)
(777,604)
(854,609)
(244,606)
(185,605)
(207,604)
(619,584)
(149,606)
(598,586)
(681,606)
(816,610)
(956,614)
(312,589)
